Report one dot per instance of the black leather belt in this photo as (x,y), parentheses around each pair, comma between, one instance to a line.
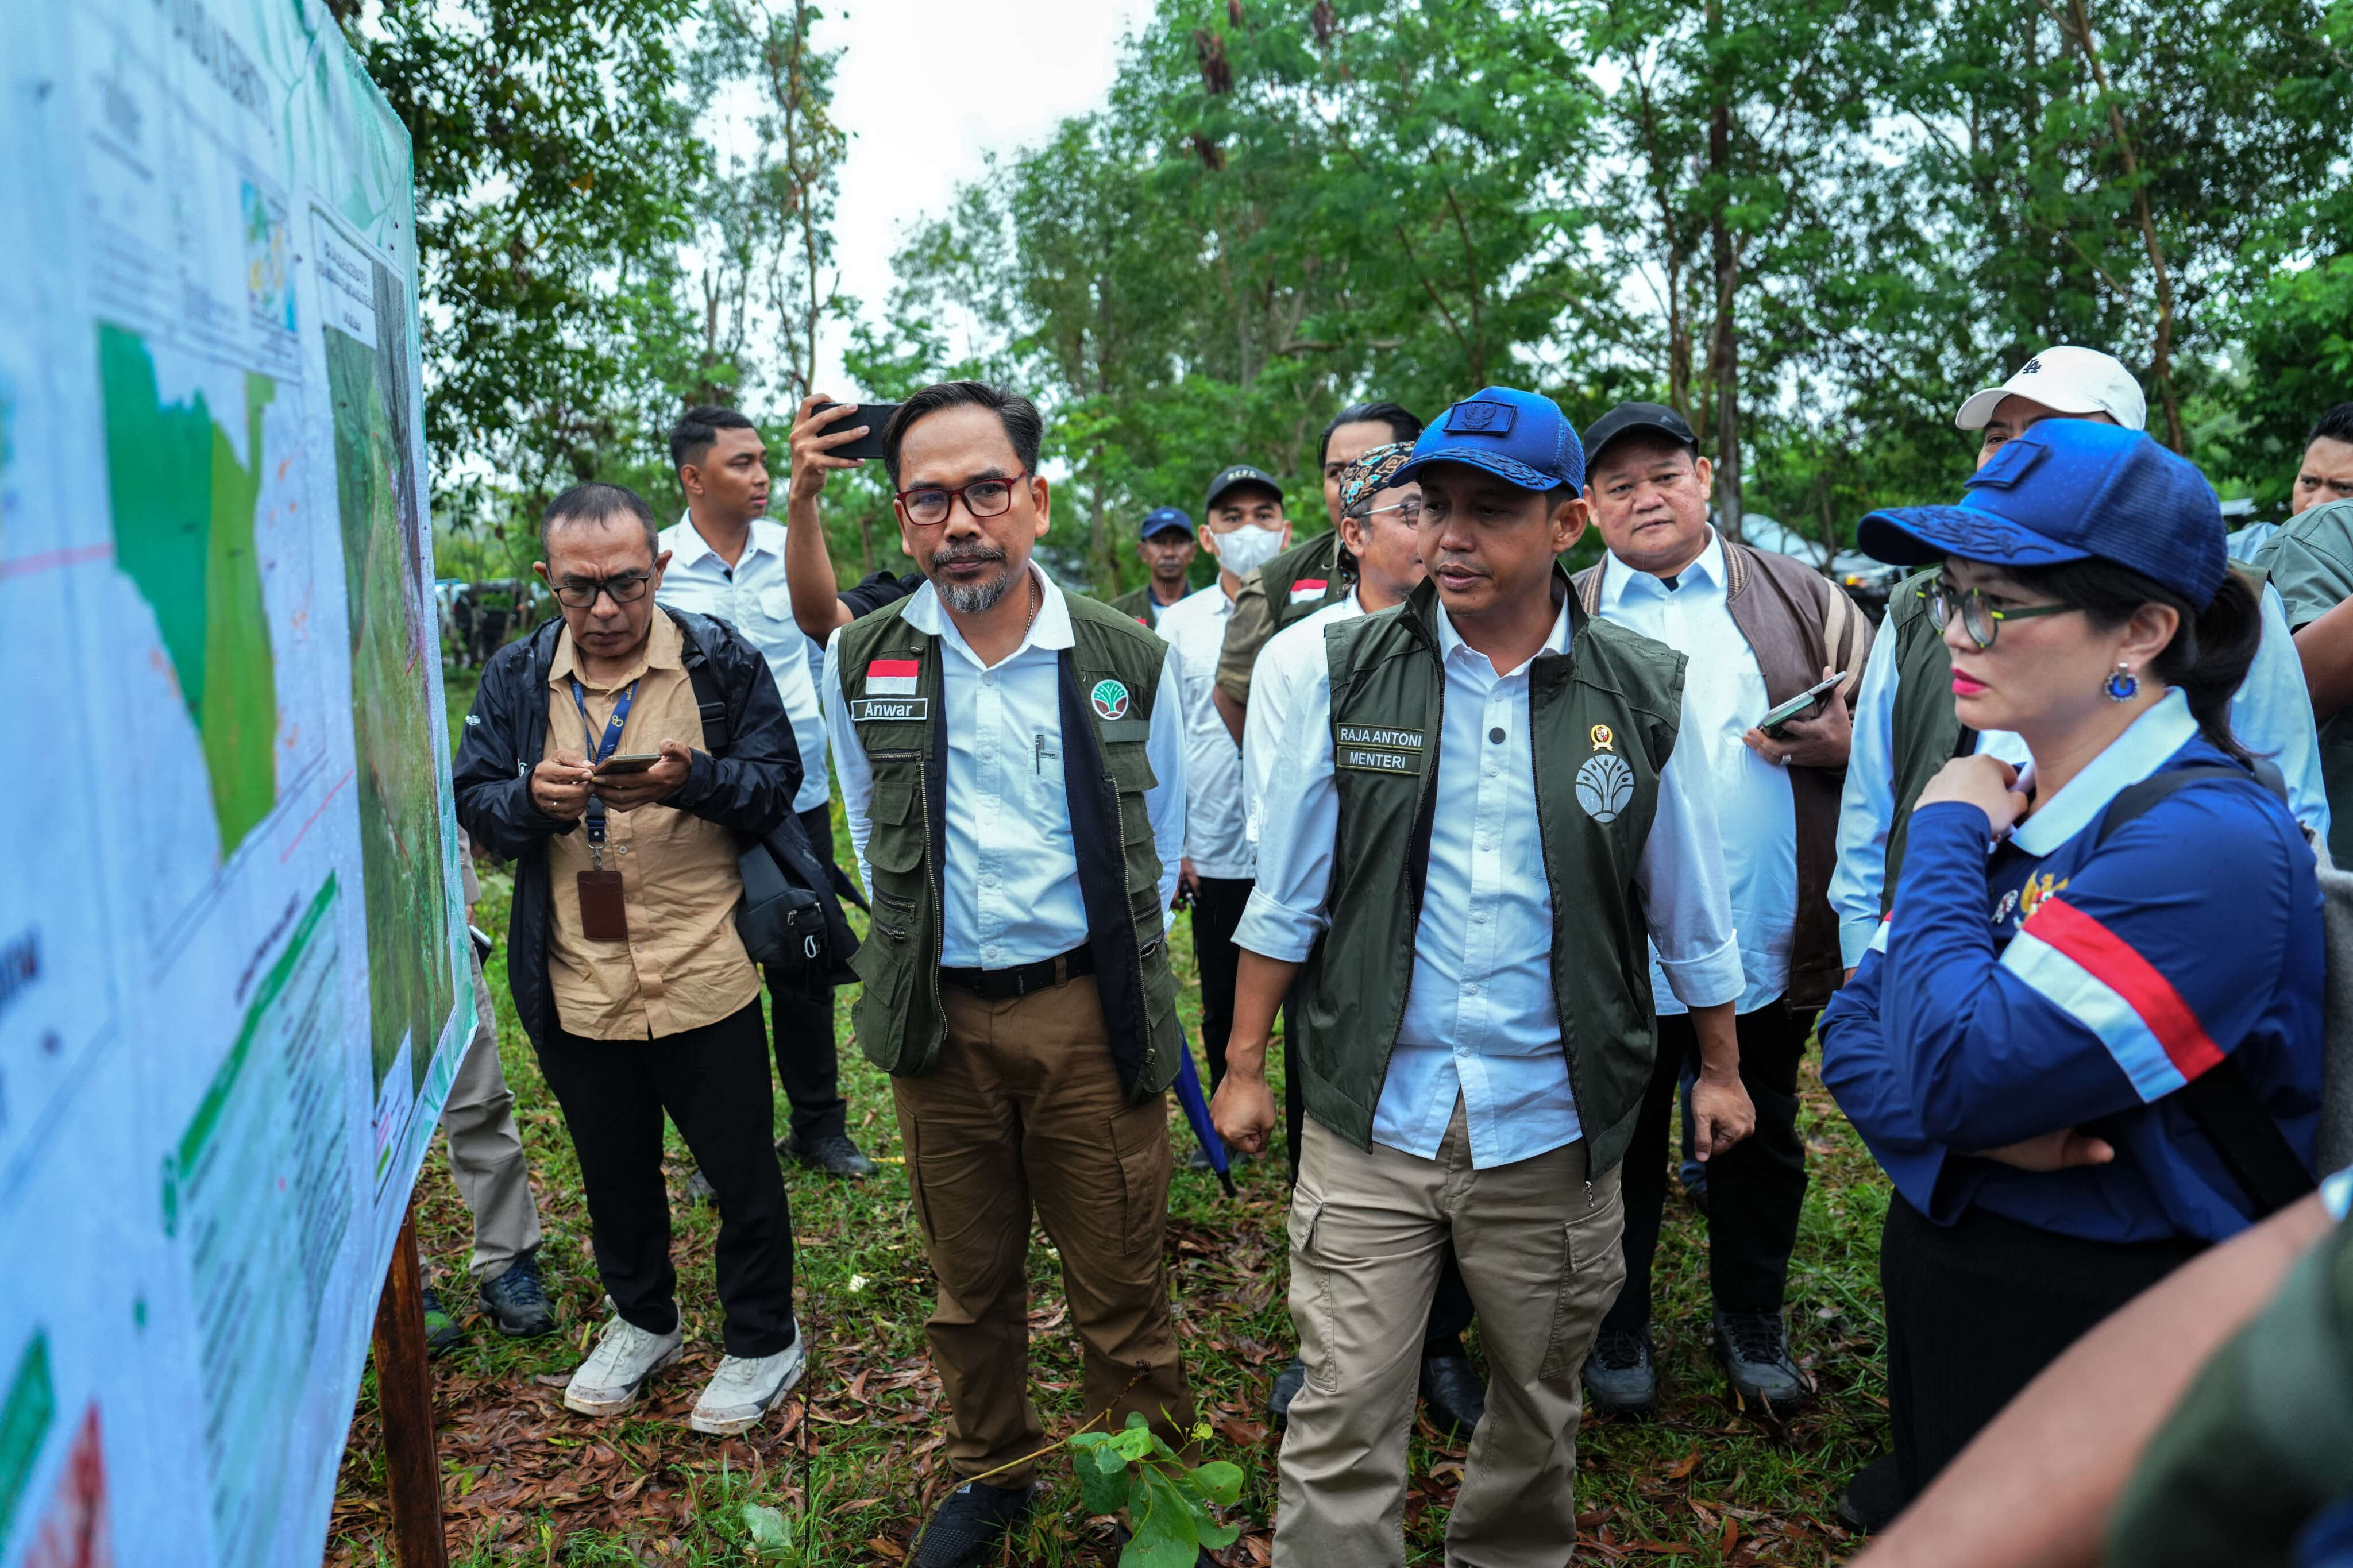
(1005,984)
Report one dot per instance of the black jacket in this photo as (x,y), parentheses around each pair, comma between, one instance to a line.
(745,780)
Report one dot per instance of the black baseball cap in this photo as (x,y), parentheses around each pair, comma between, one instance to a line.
(1166,520)
(1240,473)
(1628,418)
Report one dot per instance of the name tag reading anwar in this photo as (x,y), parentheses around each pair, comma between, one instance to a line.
(1376,749)
(891,709)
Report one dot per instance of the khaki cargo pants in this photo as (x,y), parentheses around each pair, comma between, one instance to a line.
(1026,1109)
(1539,1250)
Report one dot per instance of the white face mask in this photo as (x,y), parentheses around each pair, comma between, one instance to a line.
(1248,548)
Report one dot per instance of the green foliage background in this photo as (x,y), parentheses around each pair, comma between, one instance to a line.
(1811,225)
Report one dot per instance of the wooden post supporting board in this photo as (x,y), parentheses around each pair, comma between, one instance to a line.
(403,1394)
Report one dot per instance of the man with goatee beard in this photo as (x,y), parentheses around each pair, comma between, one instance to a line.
(1012,763)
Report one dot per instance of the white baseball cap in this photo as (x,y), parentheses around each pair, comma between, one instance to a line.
(2069,380)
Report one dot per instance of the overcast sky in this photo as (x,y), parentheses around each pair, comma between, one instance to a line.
(926,88)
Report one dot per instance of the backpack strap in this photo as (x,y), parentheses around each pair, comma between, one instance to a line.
(718,729)
(2220,1101)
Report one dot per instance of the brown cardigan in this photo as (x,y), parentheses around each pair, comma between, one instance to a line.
(1796,621)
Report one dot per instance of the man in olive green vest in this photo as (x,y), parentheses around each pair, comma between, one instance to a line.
(1475,1053)
(1166,545)
(1011,760)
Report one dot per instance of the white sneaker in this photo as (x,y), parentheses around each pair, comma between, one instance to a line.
(606,1384)
(745,1387)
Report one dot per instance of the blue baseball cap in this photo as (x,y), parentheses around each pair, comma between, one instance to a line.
(2071,489)
(1515,435)
(1161,518)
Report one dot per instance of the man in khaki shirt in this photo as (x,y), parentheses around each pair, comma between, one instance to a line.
(583,761)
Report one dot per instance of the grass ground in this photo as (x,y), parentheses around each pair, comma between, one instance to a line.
(853,1459)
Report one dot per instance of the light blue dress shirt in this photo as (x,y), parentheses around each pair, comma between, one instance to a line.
(753,597)
(1215,828)
(2272,716)
(1724,696)
(1482,1022)
(1011,877)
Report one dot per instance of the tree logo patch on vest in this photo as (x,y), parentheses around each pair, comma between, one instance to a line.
(1109,700)
(1604,785)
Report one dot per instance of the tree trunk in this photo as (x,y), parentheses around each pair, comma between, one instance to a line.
(1105,569)
(1724,354)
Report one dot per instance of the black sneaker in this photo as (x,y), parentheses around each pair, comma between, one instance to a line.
(516,1304)
(1873,1497)
(699,1189)
(1619,1379)
(1200,1159)
(1453,1391)
(972,1521)
(441,1331)
(1755,1350)
(1287,1384)
(833,1154)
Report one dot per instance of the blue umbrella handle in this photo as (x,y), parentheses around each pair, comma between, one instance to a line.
(1196,1111)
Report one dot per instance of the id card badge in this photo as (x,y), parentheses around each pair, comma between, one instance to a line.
(603,916)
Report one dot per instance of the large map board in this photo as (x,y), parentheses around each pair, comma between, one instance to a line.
(233,971)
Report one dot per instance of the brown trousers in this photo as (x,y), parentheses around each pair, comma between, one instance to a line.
(1026,1109)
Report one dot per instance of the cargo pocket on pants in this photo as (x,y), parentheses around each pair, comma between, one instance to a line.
(1139,1142)
(1311,1296)
(1592,1270)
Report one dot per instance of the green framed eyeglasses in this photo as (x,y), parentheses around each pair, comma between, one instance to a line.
(1978,618)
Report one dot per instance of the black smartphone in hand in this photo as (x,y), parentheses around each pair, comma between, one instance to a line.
(874,416)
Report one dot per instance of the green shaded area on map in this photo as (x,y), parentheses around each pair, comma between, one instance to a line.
(25,1419)
(412,984)
(183,533)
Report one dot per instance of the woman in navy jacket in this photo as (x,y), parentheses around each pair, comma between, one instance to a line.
(2014,1047)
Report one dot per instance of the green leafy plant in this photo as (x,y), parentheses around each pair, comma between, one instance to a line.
(771,1533)
(1168,1505)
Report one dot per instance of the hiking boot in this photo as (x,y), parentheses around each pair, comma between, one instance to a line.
(515,1303)
(625,1355)
(1454,1396)
(441,1331)
(832,1154)
(1287,1384)
(969,1525)
(1755,1350)
(699,1189)
(745,1388)
(1619,1379)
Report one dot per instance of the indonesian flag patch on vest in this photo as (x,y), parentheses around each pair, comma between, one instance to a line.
(891,678)
(1309,588)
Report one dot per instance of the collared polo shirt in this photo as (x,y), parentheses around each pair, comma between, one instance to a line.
(1724,696)
(753,598)
(1482,1022)
(683,965)
(1010,882)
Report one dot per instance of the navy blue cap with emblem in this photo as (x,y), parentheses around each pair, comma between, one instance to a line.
(1516,435)
(2070,489)
(1166,520)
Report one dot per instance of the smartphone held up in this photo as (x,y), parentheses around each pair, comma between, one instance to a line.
(874,416)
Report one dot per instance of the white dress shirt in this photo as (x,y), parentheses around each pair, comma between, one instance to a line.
(1291,659)
(1481,1021)
(2271,715)
(1724,696)
(753,597)
(1215,836)
(1011,877)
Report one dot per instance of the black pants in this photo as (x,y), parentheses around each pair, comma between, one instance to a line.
(1756,1189)
(1975,1310)
(714,1082)
(1216,911)
(802,1019)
